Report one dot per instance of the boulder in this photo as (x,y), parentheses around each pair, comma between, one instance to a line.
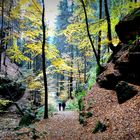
(109,78)
(128,29)
(126,91)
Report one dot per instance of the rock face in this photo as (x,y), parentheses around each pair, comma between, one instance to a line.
(129,28)
(123,67)
(11,69)
(114,100)
(7,86)
(126,91)
(10,72)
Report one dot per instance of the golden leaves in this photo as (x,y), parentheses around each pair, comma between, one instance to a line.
(15,54)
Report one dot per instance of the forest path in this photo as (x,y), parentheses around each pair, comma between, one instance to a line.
(64,125)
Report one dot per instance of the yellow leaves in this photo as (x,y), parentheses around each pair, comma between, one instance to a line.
(115,41)
(32,34)
(11,36)
(4,102)
(24,2)
(36,6)
(15,54)
(58,62)
(34,48)
(29,12)
(61,65)
(51,52)
(35,85)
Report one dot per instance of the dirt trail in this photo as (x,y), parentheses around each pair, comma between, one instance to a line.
(64,125)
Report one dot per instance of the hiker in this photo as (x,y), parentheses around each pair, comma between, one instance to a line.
(63,105)
(59,106)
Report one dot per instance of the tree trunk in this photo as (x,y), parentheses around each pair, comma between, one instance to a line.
(85,68)
(57,84)
(44,63)
(88,33)
(109,36)
(100,33)
(71,74)
(78,80)
(79,73)
(71,85)
(1,33)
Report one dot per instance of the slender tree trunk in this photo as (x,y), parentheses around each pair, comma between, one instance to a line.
(71,74)
(79,73)
(1,33)
(34,63)
(71,85)
(44,63)
(100,32)
(109,35)
(78,80)
(89,36)
(62,81)
(57,84)
(85,68)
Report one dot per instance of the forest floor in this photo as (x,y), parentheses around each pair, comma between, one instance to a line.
(63,125)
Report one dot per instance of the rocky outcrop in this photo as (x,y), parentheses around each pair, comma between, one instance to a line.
(10,90)
(128,29)
(126,91)
(114,100)
(10,72)
(123,66)
(9,68)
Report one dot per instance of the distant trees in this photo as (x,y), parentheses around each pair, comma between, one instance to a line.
(62,21)
(89,35)
(27,45)
(92,26)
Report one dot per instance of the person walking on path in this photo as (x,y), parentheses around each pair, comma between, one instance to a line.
(59,104)
(63,105)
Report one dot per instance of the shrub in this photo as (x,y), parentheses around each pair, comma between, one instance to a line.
(89,114)
(72,104)
(40,112)
(51,109)
(27,119)
(99,127)
(81,119)
(91,77)
(80,104)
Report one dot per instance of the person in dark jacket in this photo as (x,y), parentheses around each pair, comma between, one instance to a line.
(63,105)
(59,104)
